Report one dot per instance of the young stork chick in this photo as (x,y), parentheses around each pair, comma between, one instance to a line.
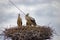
(19,21)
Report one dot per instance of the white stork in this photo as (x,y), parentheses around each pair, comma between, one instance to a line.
(29,20)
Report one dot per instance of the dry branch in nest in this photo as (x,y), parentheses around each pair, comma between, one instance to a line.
(29,33)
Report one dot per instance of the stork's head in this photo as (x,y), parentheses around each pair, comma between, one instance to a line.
(18,14)
(27,14)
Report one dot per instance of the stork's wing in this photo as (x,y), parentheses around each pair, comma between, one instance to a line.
(32,18)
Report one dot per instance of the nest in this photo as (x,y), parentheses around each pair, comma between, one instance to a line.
(29,33)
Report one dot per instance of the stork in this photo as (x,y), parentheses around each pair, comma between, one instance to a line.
(29,20)
(19,21)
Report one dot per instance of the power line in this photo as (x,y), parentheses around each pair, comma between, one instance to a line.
(16,7)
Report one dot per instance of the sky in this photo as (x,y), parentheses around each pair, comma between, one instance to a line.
(45,12)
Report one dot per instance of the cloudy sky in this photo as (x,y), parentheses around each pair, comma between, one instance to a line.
(44,11)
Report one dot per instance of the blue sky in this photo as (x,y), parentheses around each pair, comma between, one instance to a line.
(44,11)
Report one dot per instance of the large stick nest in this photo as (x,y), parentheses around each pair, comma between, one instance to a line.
(29,33)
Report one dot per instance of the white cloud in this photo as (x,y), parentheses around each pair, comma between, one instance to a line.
(56,8)
(56,4)
(4,1)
